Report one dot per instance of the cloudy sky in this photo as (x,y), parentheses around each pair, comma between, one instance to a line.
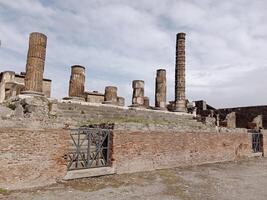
(122,40)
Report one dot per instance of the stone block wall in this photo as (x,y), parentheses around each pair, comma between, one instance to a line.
(139,151)
(244,115)
(32,157)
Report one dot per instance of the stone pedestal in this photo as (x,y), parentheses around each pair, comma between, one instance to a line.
(121,101)
(77,81)
(160,92)
(180,100)
(146,102)
(138,93)
(111,96)
(35,64)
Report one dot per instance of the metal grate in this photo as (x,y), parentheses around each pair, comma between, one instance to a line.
(257,142)
(90,148)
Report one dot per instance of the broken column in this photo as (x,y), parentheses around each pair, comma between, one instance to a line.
(231,120)
(180,101)
(160,92)
(138,93)
(77,81)
(111,96)
(121,101)
(35,64)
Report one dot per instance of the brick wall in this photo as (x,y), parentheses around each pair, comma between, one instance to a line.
(32,157)
(136,151)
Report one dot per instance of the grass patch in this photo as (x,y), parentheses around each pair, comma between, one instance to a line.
(122,120)
(3,191)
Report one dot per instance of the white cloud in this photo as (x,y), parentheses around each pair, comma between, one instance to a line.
(119,41)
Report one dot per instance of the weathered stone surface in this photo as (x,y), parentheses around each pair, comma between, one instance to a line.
(180,100)
(5,112)
(111,96)
(138,93)
(146,102)
(93,172)
(35,62)
(258,122)
(94,97)
(160,92)
(77,81)
(231,120)
(121,101)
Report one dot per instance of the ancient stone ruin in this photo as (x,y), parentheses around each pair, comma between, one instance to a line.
(180,101)
(35,64)
(161,89)
(77,81)
(91,133)
(31,82)
(138,93)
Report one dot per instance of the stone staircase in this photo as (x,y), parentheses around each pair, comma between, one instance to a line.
(77,115)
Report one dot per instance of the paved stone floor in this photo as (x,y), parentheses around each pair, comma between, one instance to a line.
(246,180)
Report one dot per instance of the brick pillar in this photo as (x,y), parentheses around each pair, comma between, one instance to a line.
(180,101)
(160,92)
(35,63)
(111,96)
(138,93)
(77,81)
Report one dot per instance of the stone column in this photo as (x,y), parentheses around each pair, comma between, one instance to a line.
(231,120)
(111,96)
(35,63)
(160,92)
(138,93)
(77,81)
(7,76)
(180,101)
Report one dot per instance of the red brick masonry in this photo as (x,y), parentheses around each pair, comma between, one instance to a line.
(30,158)
(139,151)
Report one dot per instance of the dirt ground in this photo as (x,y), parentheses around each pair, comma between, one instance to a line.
(246,180)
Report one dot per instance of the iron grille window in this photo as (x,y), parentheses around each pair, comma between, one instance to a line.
(257,142)
(90,148)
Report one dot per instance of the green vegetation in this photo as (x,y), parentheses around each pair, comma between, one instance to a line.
(121,120)
(3,191)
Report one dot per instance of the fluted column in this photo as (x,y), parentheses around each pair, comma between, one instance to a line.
(111,96)
(77,81)
(180,99)
(35,63)
(160,92)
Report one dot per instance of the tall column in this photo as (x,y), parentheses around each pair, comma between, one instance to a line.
(111,96)
(35,63)
(160,92)
(138,93)
(77,81)
(180,101)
